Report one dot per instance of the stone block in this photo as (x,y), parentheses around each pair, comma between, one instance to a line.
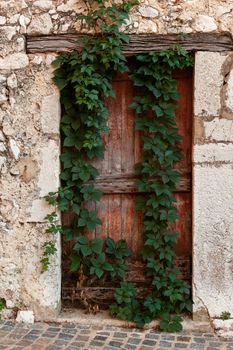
(224,328)
(71,5)
(3,98)
(2,147)
(2,79)
(48,180)
(219,130)
(208,83)
(147,26)
(14,61)
(50,113)
(25,317)
(148,11)
(12,81)
(2,20)
(38,210)
(2,138)
(213,152)
(212,240)
(2,161)
(43,4)
(41,24)
(199,131)
(205,24)
(27,168)
(14,149)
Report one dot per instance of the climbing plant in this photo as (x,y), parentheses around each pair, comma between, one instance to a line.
(155,109)
(2,305)
(85,79)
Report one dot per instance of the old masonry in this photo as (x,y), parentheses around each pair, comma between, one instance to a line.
(31,34)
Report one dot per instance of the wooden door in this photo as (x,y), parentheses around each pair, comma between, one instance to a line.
(117,178)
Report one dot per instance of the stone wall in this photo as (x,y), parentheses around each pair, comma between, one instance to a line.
(29,162)
(151,16)
(213,185)
(29,146)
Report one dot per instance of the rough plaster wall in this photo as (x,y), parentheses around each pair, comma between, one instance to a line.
(29,142)
(213,185)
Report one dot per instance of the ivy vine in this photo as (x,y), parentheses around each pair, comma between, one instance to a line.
(85,79)
(155,111)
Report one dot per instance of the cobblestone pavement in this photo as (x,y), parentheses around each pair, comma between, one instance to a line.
(43,336)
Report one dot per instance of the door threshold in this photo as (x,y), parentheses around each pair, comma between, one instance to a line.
(103,318)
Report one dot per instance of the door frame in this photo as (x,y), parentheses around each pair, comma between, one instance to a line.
(212,182)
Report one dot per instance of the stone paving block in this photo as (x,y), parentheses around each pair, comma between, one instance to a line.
(134,341)
(197,346)
(52,347)
(183,338)
(149,342)
(31,336)
(199,340)
(115,344)
(65,336)
(53,329)
(167,337)
(43,341)
(100,337)
(130,346)
(165,344)
(35,331)
(180,345)
(49,335)
(152,336)
(85,331)
(78,344)
(119,335)
(214,343)
(82,338)
(136,335)
(97,343)
(103,333)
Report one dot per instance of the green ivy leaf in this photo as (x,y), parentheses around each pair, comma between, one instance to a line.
(75,263)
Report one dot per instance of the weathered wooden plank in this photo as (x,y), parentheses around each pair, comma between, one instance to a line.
(183,226)
(131,224)
(102,207)
(128,128)
(104,295)
(138,43)
(115,107)
(184,113)
(114,216)
(91,206)
(111,184)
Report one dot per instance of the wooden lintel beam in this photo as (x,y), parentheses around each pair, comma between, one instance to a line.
(215,42)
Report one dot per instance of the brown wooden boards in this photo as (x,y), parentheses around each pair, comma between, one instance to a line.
(117,179)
